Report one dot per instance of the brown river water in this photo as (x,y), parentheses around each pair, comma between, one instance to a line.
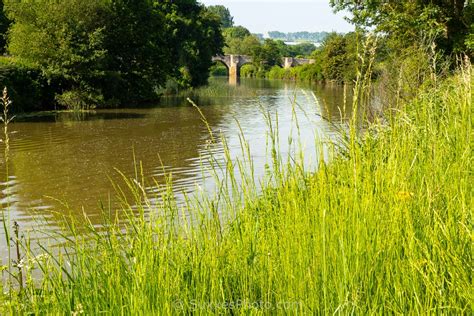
(65,163)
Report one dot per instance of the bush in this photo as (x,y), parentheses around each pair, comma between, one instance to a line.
(306,73)
(218,70)
(248,71)
(79,100)
(26,85)
(311,72)
(276,72)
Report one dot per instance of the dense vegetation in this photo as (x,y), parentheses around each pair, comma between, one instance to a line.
(335,60)
(384,227)
(446,27)
(405,23)
(4,24)
(107,52)
(227,20)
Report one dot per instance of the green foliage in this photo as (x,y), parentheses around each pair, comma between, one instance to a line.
(248,71)
(239,41)
(134,37)
(267,55)
(300,50)
(303,73)
(239,32)
(115,50)
(339,57)
(276,72)
(194,37)
(27,86)
(309,73)
(218,69)
(447,21)
(4,25)
(381,229)
(241,46)
(63,39)
(402,75)
(223,13)
(470,39)
(204,42)
(334,61)
(78,100)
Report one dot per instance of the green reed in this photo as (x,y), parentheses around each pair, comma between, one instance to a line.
(6,119)
(385,227)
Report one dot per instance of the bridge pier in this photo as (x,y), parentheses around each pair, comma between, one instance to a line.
(234,69)
(288,62)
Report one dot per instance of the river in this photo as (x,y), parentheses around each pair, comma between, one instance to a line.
(65,163)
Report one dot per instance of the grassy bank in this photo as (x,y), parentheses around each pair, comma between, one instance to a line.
(386,227)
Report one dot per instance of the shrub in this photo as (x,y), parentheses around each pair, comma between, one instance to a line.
(79,100)
(248,71)
(276,72)
(218,70)
(26,85)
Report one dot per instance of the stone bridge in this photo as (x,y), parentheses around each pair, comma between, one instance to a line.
(235,62)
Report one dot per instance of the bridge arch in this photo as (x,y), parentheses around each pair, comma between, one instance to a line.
(235,62)
(220,62)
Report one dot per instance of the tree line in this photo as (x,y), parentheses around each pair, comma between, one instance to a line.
(409,34)
(316,37)
(80,53)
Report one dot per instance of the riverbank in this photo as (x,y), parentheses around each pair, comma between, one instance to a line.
(384,228)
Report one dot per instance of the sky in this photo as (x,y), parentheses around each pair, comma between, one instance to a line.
(261,16)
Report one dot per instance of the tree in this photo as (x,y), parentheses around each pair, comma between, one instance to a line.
(277,35)
(205,42)
(118,50)
(227,20)
(236,32)
(194,38)
(268,54)
(239,41)
(303,49)
(447,20)
(65,40)
(338,57)
(4,25)
(135,40)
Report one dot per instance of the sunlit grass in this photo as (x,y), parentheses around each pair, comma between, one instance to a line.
(384,228)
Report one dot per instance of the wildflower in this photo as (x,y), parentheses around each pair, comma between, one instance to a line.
(23,263)
(405,195)
(41,257)
(78,310)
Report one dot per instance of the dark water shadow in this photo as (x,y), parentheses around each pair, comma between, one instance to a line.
(78,116)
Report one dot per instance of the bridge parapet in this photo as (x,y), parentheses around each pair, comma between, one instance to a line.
(233,60)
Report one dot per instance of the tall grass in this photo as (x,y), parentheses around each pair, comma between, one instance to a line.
(384,228)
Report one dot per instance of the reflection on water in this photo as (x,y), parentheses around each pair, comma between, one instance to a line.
(69,160)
